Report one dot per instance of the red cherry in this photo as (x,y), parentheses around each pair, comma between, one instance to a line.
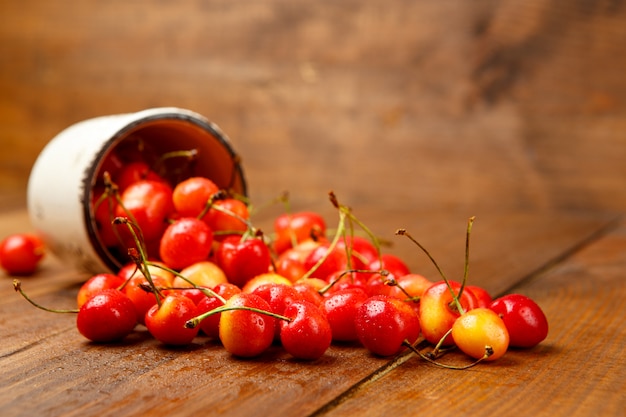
(243,259)
(191,196)
(143,300)
(149,203)
(340,308)
(96,284)
(482,296)
(185,242)
(392,263)
(134,172)
(526,322)
(106,317)
(278,296)
(210,325)
(246,333)
(166,322)
(104,211)
(21,253)
(362,250)
(335,260)
(384,323)
(308,335)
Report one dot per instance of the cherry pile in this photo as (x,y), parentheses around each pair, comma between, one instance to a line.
(196,264)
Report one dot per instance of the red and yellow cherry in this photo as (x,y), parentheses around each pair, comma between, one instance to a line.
(210,324)
(184,242)
(410,286)
(384,324)
(191,196)
(293,228)
(203,274)
(21,253)
(308,334)
(525,320)
(166,322)
(242,258)
(266,278)
(438,312)
(481,334)
(246,333)
(149,203)
(97,283)
(143,299)
(156,268)
(340,308)
(290,263)
(107,316)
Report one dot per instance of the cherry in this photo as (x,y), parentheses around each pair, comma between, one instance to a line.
(107,316)
(184,242)
(203,274)
(389,262)
(362,250)
(438,312)
(96,284)
(246,333)
(266,278)
(133,172)
(278,296)
(308,291)
(410,286)
(104,209)
(191,196)
(308,334)
(157,268)
(526,322)
(228,216)
(340,308)
(147,204)
(20,254)
(292,229)
(385,324)
(137,289)
(481,334)
(332,260)
(290,263)
(243,258)
(166,322)
(482,296)
(210,324)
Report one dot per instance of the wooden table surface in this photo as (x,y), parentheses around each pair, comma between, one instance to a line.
(571,264)
(418,114)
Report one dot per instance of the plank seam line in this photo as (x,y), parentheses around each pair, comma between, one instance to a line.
(32,344)
(371,378)
(583,243)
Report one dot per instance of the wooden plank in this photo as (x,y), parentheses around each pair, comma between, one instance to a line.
(48,369)
(577,371)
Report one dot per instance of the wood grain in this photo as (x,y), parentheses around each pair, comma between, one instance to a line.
(48,369)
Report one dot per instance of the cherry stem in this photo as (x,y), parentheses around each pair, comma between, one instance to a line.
(455,297)
(470,222)
(142,260)
(194,322)
(340,230)
(17,285)
(488,353)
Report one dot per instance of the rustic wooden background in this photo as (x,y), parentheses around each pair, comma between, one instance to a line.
(450,104)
